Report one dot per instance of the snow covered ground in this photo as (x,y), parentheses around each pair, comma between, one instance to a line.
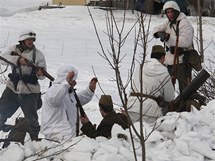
(67,36)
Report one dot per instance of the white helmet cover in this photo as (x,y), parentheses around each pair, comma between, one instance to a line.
(27,34)
(171,4)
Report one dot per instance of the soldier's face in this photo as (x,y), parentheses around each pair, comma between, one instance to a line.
(170,14)
(29,43)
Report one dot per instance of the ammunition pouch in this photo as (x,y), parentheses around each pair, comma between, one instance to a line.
(192,58)
(180,51)
(32,79)
(15,78)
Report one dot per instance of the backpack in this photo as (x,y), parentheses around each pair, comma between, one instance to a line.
(194,59)
(191,57)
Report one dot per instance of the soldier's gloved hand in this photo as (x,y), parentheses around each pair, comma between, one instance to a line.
(200,98)
(162,35)
(22,61)
(69,79)
(84,120)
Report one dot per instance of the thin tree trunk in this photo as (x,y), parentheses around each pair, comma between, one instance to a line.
(200,31)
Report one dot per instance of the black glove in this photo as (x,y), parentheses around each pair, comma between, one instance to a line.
(162,35)
(202,99)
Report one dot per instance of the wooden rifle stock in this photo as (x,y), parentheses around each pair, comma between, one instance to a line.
(34,66)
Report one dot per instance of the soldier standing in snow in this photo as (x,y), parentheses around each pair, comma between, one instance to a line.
(22,89)
(59,111)
(110,117)
(156,83)
(179,27)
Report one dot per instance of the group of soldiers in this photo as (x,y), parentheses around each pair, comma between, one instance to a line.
(60,117)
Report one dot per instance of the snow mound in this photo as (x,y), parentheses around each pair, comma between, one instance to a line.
(175,137)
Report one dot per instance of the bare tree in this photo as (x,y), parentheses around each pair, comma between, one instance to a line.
(114,56)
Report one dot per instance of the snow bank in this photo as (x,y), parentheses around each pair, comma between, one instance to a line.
(177,137)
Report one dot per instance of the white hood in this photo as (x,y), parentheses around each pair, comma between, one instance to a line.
(63,71)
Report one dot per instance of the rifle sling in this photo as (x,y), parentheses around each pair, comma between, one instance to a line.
(144,95)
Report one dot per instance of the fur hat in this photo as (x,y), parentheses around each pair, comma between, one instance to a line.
(106,100)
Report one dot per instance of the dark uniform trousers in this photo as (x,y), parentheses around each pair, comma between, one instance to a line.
(183,75)
(10,102)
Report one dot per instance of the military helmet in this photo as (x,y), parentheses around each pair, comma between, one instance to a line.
(171,4)
(27,34)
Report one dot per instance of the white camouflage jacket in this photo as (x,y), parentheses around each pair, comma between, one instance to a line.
(156,81)
(23,88)
(59,111)
(186,33)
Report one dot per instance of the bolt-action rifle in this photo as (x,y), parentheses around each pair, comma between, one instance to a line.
(79,106)
(195,84)
(82,112)
(34,66)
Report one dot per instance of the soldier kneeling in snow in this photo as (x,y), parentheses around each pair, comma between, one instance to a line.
(110,117)
(59,111)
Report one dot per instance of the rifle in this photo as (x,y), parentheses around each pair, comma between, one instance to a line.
(8,62)
(175,61)
(34,66)
(82,112)
(78,105)
(195,84)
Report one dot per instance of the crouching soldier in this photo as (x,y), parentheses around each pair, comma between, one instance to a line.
(110,117)
(156,83)
(59,117)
